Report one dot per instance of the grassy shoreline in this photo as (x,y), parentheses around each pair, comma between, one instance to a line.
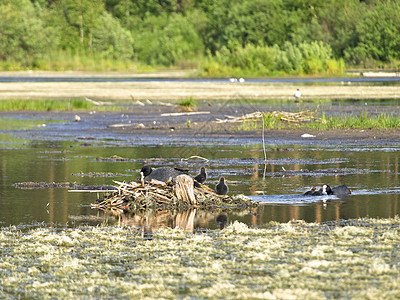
(358,259)
(362,121)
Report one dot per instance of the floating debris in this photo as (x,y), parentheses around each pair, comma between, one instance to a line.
(42,185)
(70,185)
(113,158)
(98,174)
(159,195)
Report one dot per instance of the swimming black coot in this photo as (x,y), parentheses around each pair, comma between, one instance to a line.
(339,190)
(221,188)
(308,193)
(162,174)
(201,178)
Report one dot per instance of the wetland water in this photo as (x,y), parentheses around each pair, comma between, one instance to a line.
(59,150)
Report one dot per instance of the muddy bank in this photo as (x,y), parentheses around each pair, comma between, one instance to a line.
(158,124)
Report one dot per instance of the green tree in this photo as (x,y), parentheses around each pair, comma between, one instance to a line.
(111,40)
(247,22)
(379,34)
(84,15)
(23,35)
(166,40)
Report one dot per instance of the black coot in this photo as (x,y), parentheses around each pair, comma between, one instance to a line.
(201,178)
(339,190)
(221,188)
(162,174)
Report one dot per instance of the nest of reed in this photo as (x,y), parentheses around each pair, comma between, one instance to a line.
(171,195)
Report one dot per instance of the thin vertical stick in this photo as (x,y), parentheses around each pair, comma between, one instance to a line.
(263,141)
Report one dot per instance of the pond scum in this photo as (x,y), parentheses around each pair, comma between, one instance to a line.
(157,195)
(357,259)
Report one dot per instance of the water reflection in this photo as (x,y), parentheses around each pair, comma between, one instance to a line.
(149,222)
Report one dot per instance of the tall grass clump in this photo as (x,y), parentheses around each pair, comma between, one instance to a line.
(188,104)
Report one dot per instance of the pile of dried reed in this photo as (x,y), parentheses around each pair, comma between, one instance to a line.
(180,194)
(297,117)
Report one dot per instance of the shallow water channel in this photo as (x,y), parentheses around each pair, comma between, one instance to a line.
(29,153)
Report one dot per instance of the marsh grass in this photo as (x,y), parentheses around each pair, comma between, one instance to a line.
(297,260)
(362,121)
(382,121)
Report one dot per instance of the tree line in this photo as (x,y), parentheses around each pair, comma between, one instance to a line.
(218,37)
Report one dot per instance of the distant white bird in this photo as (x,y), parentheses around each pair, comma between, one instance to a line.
(297,95)
(241,80)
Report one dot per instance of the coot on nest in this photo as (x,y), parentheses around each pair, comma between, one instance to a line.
(161,174)
(221,188)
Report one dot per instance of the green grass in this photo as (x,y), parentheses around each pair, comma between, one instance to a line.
(45,105)
(188,104)
(382,121)
(362,121)
(281,261)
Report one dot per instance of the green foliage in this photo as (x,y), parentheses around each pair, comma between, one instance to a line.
(379,34)
(225,37)
(306,58)
(110,40)
(24,37)
(166,40)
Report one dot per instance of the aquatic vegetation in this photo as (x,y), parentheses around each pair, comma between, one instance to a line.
(354,259)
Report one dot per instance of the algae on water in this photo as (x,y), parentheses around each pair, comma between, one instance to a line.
(358,259)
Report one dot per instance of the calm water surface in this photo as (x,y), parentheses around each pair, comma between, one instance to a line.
(372,172)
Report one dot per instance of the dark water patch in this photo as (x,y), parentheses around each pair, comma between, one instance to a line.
(296,199)
(319,172)
(261,161)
